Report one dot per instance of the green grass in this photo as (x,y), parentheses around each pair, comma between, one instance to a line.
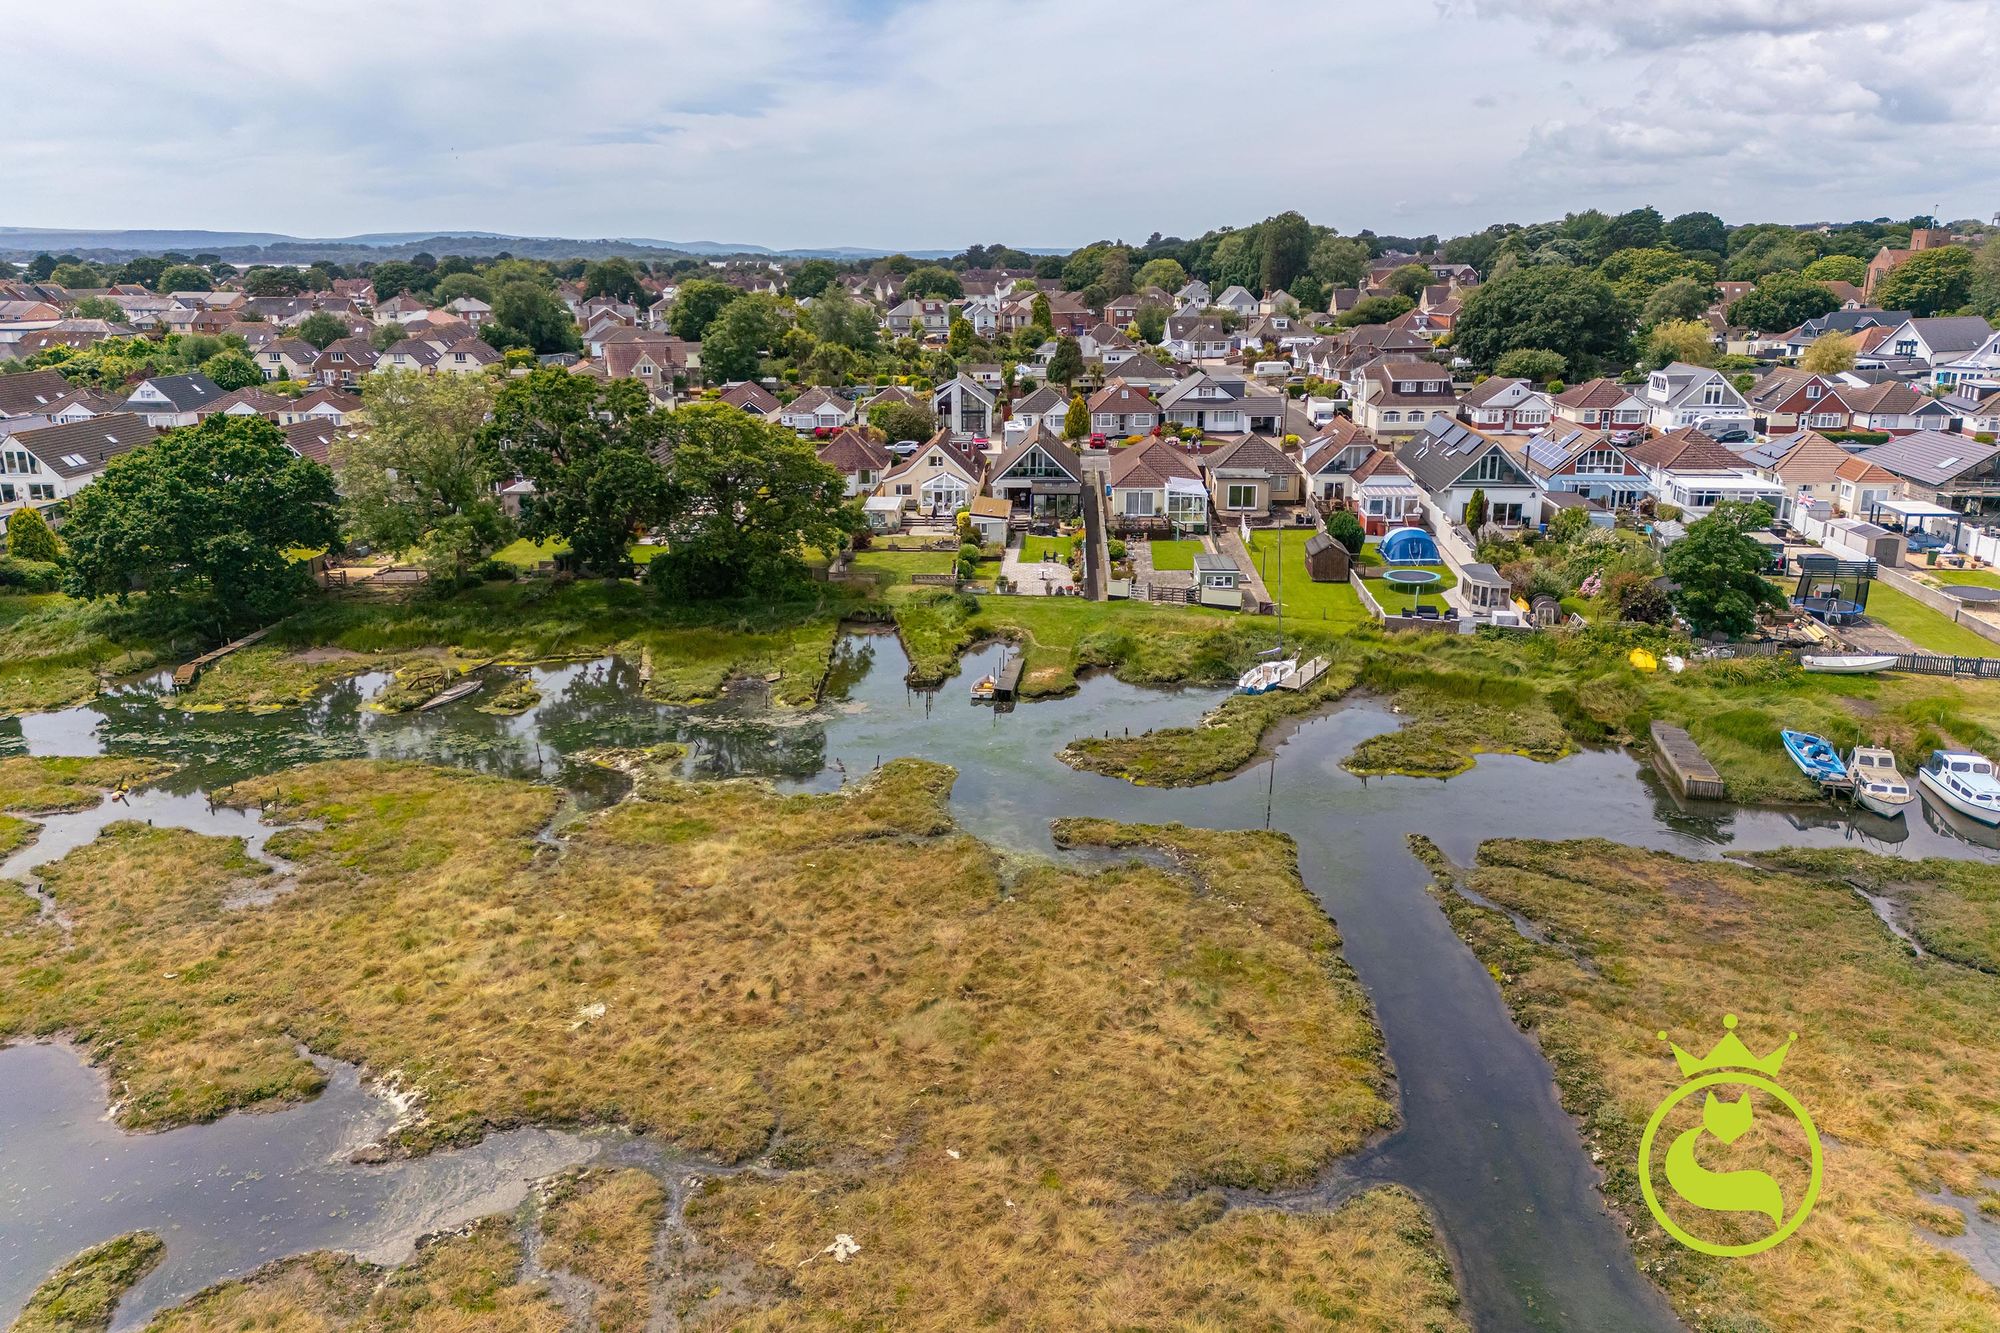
(54,651)
(1930,630)
(524,554)
(1053,550)
(1175,554)
(81,1296)
(894,568)
(1335,605)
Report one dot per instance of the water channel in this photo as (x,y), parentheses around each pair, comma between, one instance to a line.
(1483,1139)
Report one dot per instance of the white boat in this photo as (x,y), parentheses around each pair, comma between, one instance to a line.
(1264,677)
(1847,664)
(1877,784)
(1962,781)
(984,689)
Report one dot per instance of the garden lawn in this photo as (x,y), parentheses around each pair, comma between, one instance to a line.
(890,568)
(1982,578)
(1054,550)
(1336,605)
(524,554)
(1930,630)
(1175,554)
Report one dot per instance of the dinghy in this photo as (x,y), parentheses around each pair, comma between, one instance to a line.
(1816,758)
(1877,784)
(1264,677)
(1962,781)
(451,695)
(983,689)
(1847,664)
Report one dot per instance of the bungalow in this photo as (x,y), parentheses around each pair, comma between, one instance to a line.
(1682,395)
(817,410)
(987,375)
(1398,398)
(1506,406)
(1787,400)
(1196,338)
(1601,402)
(1237,299)
(859,460)
(1143,372)
(1687,469)
(753,398)
(1805,335)
(1939,340)
(1806,465)
(312,440)
(1950,470)
(1859,485)
(412,355)
(327,405)
(40,467)
(1041,477)
(31,393)
(1195,293)
(1209,404)
(1451,462)
(1119,409)
(1248,478)
(1896,408)
(251,402)
(1329,460)
(166,401)
(401,308)
(936,480)
(1155,484)
(963,407)
(1977,408)
(470,309)
(1568,459)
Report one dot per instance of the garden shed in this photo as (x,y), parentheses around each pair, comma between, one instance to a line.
(1327,560)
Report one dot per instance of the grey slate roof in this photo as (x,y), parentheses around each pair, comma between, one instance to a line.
(1931,457)
(186,392)
(92,443)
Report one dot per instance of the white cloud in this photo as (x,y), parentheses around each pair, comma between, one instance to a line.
(939,122)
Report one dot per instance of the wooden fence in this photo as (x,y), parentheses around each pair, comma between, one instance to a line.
(1937,664)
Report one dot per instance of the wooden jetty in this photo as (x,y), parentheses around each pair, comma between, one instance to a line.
(1681,763)
(1305,674)
(188,672)
(1007,681)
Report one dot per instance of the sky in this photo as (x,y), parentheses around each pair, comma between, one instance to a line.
(932,124)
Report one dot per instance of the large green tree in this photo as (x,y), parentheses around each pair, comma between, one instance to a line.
(29,537)
(735,343)
(232,368)
(836,317)
(696,304)
(1782,301)
(183,278)
(1838,268)
(588,447)
(933,282)
(527,314)
(898,420)
(321,329)
(1554,306)
(1929,282)
(614,277)
(1339,261)
(811,279)
(1284,250)
(204,515)
(1067,363)
(745,498)
(1691,232)
(1720,570)
(417,473)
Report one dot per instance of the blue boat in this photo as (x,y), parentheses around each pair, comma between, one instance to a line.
(1816,758)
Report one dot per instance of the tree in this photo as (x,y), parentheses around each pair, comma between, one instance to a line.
(393,277)
(898,420)
(696,306)
(264,280)
(1986,281)
(231,369)
(1686,340)
(1831,353)
(1042,316)
(959,340)
(1346,529)
(1782,301)
(1285,245)
(1067,363)
(1720,570)
(930,281)
(1375,310)
(1530,363)
(29,537)
(99,307)
(419,469)
(744,499)
(1693,232)
(526,314)
(384,336)
(735,343)
(836,317)
(811,279)
(1166,274)
(183,278)
(452,286)
(1756,251)
(42,267)
(1551,306)
(1076,421)
(1340,261)
(1929,282)
(1151,322)
(1850,269)
(1409,280)
(587,445)
(1475,511)
(76,274)
(1677,298)
(1636,274)
(321,328)
(204,515)
(614,277)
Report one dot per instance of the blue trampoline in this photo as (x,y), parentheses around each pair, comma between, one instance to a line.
(1409,546)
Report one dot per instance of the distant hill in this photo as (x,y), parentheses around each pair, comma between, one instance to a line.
(249,247)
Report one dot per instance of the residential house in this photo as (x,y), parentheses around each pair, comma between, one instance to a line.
(287,359)
(1195,293)
(312,439)
(1120,311)
(1805,464)
(1506,406)
(468,356)
(1046,406)
(1220,405)
(1154,484)
(31,393)
(647,355)
(1120,409)
(1601,402)
(753,398)
(963,407)
(1385,494)
(1682,395)
(1689,470)
(1859,485)
(817,410)
(1896,408)
(80,405)
(1248,479)
(1977,409)
(986,374)
(1788,399)
(41,467)
(331,406)
(250,402)
(1856,321)
(935,481)
(1237,299)
(1329,459)
(1143,372)
(401,308)
(470,309)
(1041,477)
(1568,459)
(1977,370)
(1198,338)
(343,363)
(410,355)
(1451,462)
(1939,340)
(922,318)
(1071,313)
(1949,470)
(167,401)
(1398,398)
(859,460)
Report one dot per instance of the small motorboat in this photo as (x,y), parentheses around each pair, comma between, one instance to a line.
(1963,781)
(1847,664)
(1877,784)
(1815,756)
(1265,677)
(984,689)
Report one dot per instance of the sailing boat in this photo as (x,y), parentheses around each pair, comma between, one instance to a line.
(1267,676)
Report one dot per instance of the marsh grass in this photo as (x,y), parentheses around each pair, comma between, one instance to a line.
(1226,741)
(603,1225)
(82,1295)
(49,786)
(55,652)
(1896,1060)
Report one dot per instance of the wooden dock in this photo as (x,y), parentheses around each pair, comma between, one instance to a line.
(1305,674)
(1681,763)
(188,672)
(1007,681)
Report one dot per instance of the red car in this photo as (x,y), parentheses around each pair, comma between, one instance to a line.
(822,432)
(1099,442)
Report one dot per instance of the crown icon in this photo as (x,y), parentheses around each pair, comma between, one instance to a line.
(1731,1053)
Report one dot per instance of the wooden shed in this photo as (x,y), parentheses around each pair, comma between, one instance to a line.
(1327,560)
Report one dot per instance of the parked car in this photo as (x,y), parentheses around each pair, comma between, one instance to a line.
(904,448)
(1099,441)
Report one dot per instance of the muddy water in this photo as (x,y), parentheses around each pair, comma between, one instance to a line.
(1483,1139)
